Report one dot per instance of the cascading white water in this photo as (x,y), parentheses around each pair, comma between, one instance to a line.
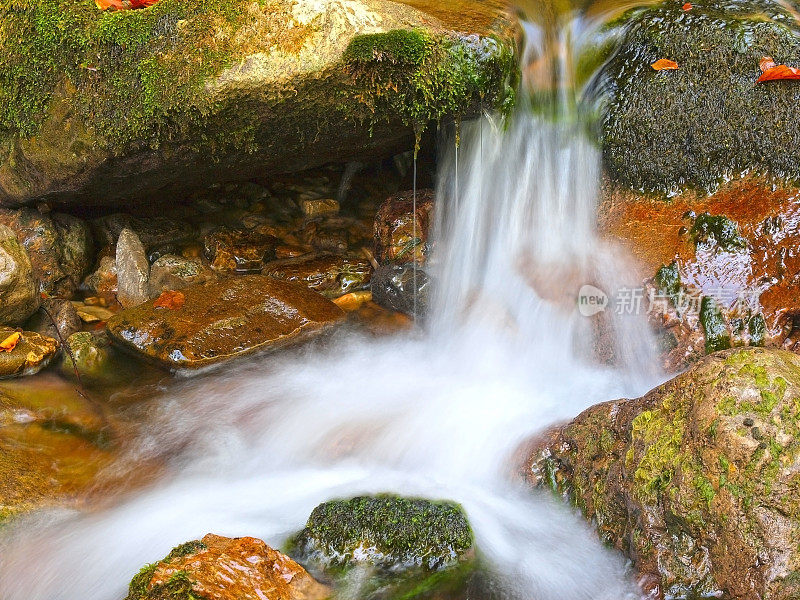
(439,415)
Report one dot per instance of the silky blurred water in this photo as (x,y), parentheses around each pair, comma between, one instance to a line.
(440,414)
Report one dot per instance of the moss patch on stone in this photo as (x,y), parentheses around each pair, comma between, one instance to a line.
(719,229)
(179,587)
(692,127)
(714,327)
(386,531)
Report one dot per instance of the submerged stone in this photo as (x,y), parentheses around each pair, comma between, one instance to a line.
(387,531)
(224,320)
(93,358)
(220,568)
(32,353)
(329,274)
(677,480)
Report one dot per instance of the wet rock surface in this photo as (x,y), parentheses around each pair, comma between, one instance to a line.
(696,481)
(53,444)
(19,296)
(736,247)
(694,126)
(330,275)
(56,318)
(398,239)
(93,359)
(386,531)
(402,288)
(170,272)
(32,353)
(232,251)
(220,568)
(60,248)
(224,320)
(133,270)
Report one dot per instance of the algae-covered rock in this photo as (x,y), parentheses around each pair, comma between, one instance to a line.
(697,481)
(387,531)
(220,568)
(224,320)
(664,130)
(93,358)
(101,107)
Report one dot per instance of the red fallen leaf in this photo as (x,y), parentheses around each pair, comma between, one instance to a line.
(170,299)
(8,344)
(687,6)
(123,4)
(772,72)
(664,65)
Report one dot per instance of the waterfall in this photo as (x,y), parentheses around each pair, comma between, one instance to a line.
(440,415)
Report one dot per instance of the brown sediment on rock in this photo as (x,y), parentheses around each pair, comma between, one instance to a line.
(224,320)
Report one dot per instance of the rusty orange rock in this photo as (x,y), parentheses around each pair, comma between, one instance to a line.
(220,568)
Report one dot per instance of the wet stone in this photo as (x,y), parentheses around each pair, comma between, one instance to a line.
(330,275)
(171,272)
(133,270)
(32,354)
(104,280)
(220,568)
(401,288)
(60,320)
(19,296)
(231,250)
(397,237)
(224,320)
(319,207)
(153,232)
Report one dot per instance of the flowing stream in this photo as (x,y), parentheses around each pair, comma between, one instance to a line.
(440,414)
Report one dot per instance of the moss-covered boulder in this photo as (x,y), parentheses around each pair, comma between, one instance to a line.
(100,107)
(387,532)
(664,130)
(220,568)
(697,481)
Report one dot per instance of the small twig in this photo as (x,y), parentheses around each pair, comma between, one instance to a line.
(370,258)
(81,389)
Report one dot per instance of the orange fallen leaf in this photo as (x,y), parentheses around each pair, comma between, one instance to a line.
(171,300)
(772,72)
(664,65)
(766,63)
(123,4)
(687,6)
(8,344)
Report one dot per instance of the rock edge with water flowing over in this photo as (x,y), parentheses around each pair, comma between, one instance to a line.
(697,481)
(98,107)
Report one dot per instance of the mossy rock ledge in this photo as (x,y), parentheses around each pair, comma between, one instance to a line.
(697,481)
(665,131)
(102,108)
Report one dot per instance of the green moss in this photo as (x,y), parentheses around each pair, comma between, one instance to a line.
(660,440)
(449,76)
(668,280)
(139,78)
(704,489)
(178,587)
(717,228)
(757,328)
(716,332)
(708,120)
(387,531)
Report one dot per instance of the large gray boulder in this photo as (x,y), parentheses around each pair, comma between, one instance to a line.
(104,107)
